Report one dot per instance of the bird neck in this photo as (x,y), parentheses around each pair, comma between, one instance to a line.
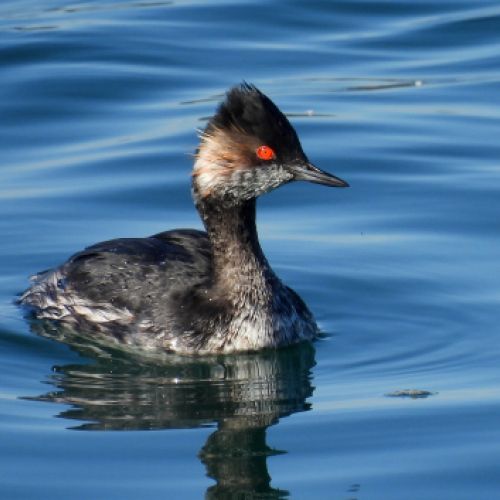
(238,261)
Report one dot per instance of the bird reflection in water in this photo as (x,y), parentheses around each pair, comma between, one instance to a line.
(242,394)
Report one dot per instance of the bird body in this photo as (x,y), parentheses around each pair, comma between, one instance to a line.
(190,291)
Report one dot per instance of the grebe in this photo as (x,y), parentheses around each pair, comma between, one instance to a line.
(190,291)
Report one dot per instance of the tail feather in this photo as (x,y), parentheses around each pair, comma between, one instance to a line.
(49,298)
(42,295)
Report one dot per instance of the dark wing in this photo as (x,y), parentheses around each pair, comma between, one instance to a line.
(135,274)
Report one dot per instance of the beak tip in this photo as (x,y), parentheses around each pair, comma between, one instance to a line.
(336,182)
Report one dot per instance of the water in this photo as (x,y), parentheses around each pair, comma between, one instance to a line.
(99,104)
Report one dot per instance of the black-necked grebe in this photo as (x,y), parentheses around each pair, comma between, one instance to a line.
(190,291)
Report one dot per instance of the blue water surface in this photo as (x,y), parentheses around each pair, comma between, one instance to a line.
(99,106)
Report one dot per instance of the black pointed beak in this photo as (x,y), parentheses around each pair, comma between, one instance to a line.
(306,171)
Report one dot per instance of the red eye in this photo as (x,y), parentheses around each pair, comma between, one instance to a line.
(265,153)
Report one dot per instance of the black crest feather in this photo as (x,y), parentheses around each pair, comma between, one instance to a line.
(247,110)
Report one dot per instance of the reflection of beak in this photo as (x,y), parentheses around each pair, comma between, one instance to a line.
(308,172)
